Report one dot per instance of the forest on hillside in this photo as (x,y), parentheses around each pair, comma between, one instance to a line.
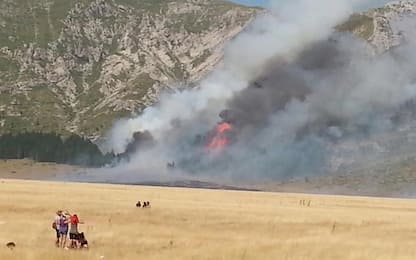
(50,147)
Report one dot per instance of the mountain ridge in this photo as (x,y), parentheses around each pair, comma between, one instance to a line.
(75,66)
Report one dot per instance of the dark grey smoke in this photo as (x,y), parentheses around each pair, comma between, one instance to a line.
(302,102)
(290,118)
(330,68)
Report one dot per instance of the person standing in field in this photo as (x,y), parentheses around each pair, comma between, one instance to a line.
(63,230)
(73,231)
(55,225)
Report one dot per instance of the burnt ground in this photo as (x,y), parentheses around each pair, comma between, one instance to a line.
(390,179)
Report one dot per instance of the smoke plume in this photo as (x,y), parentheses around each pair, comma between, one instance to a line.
(289,90)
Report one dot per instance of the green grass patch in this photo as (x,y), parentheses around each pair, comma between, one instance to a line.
(42,112)
(7,65)
(91,97)
(363,25)
(95,73)
(201,58)
(77,78)
(100,121)
(140,85)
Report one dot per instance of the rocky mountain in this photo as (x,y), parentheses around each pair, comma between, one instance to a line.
(76,65)
(379,26)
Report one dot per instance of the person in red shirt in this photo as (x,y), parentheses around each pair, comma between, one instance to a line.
(73,230)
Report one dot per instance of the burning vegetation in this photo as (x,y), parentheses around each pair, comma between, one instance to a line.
(291,89)
(220,139)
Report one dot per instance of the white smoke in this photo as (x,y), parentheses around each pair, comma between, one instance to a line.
(340,91)
(283,33)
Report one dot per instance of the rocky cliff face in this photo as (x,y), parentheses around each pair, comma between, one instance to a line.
(76,65)
(379,26)
(382,164)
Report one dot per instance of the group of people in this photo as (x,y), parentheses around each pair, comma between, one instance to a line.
(65,223)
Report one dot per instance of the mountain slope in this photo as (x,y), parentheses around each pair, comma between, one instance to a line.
(378,26)
(76,65)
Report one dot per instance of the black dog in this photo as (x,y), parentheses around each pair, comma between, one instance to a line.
(82,240)
(11,245)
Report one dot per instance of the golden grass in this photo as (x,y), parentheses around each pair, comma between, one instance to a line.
(204,224)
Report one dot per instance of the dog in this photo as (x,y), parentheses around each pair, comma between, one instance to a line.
(146,204)
(11,245)
(82,240)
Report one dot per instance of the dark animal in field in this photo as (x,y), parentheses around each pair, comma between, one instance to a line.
(11,245)
(82,240)
(138,204)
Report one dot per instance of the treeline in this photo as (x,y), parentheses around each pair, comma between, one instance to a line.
(50,147)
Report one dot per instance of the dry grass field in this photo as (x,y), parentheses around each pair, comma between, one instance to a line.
(204,224)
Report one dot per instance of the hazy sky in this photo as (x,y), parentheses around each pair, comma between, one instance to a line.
(265,3)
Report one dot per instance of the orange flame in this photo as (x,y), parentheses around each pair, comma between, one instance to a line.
(220,140)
